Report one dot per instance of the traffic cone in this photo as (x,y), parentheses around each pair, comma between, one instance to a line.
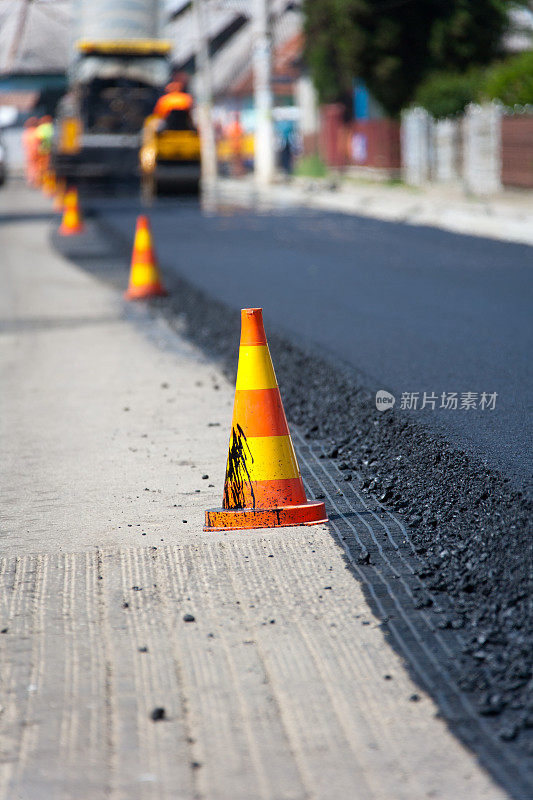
(263,486)
(59,195)
(49,183)
(71,222)
(145,280)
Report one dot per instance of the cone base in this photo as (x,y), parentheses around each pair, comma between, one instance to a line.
(71,231)
(222,519)
(143,292)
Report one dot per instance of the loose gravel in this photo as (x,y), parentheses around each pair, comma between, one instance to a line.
(471,526)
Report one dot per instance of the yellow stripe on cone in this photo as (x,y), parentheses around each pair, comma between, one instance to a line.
(145,279)
(255,368)
(49,183)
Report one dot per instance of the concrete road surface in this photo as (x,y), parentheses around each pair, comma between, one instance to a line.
(283,685)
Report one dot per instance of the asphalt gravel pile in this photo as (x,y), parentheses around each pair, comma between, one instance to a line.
(471,526)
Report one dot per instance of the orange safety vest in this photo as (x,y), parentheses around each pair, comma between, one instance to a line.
(172,101)
(30,142)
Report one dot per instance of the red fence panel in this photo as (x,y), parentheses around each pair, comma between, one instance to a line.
(371,143)
(375,143)
(332,135)
(517,151)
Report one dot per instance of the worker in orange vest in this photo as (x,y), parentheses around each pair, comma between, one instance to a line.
(30,145)
(235,135)
(175,99)
(45,135)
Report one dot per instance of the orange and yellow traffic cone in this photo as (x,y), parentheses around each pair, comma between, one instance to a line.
(49,183)
(71,222)
(59,195)
(145,280)
(263,486)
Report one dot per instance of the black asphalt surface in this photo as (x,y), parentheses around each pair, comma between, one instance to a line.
(411,309)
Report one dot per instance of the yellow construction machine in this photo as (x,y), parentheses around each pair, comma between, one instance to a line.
(170,154)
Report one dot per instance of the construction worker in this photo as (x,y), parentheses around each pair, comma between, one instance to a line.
(45,135)
(175,99)
(30,144)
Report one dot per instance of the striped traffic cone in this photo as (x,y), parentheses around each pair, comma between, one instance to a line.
(263,486)
(49,183)
(145,280)
(71,223)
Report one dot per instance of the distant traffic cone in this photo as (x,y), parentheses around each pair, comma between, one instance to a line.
(49,183)
(263,486)
(145,280)
(59,196)
(71,222)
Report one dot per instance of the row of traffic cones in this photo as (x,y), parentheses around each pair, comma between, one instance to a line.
(65,201)
(145,277)
(263,487)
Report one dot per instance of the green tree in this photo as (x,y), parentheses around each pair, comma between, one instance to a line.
(392,45)
(446,94)
(511,81)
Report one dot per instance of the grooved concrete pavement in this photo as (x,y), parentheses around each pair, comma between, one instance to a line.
(277,690)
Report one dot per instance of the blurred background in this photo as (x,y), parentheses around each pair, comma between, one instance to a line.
(423,92)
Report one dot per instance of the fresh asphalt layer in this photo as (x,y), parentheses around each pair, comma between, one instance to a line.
(412,309)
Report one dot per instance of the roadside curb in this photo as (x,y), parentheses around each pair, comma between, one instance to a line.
(493,218)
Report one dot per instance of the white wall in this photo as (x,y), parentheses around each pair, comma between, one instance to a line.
(466,150)
(415,146)
(482,149)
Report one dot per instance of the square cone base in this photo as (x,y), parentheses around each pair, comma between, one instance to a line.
(233,519)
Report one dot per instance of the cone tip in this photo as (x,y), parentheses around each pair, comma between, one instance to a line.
(252,328)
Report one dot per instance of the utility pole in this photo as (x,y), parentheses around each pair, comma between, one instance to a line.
(17,37)
(262,63)
(203,79)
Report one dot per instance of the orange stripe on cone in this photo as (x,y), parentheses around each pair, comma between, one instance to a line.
(49,183)
(71,223)
(145,279)
(263,486)
(261,412)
